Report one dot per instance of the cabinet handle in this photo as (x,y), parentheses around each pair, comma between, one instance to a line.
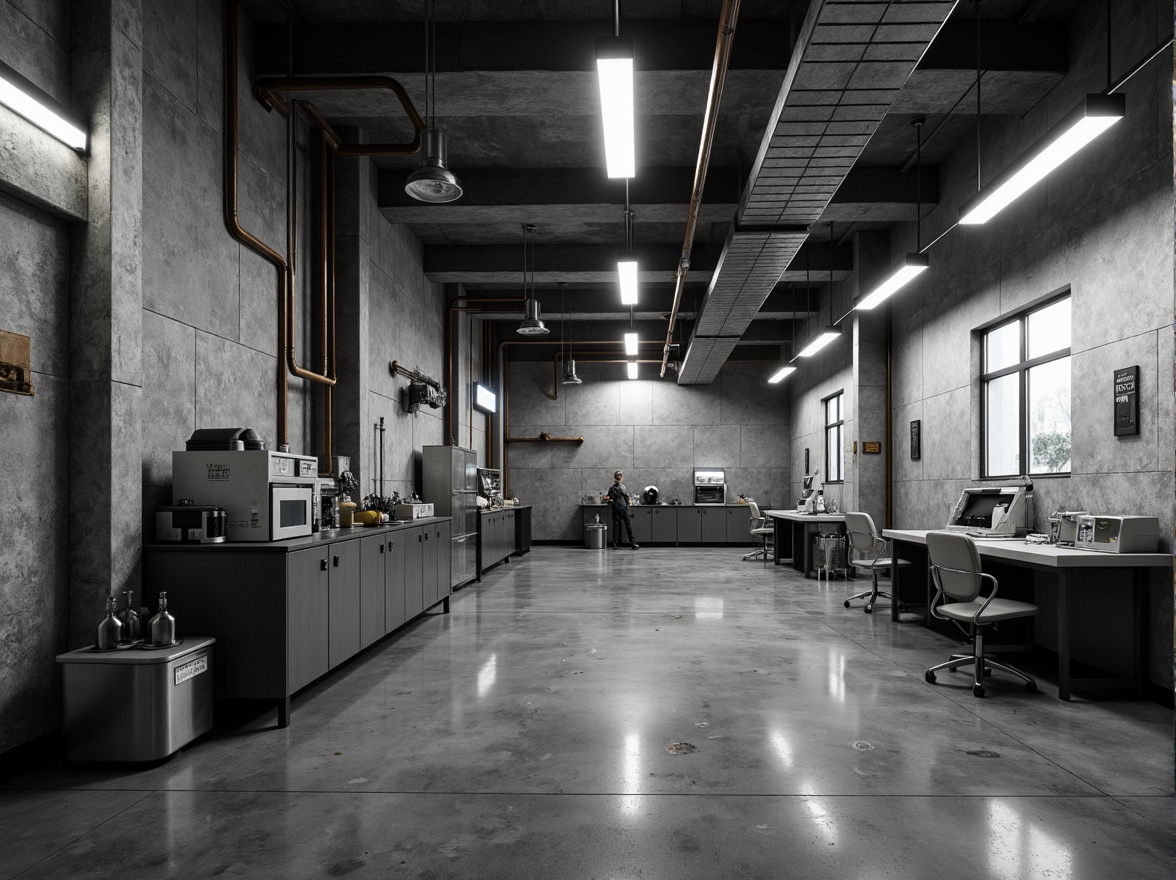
(322,565)
(419,539)
(336,561)
(390,546)
(381,548)
(426,536)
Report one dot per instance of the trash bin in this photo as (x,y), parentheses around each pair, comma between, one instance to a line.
(594,536)
(829,554)
(135,704)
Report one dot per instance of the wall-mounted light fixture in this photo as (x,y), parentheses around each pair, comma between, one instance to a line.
(25,99)
(1093,115)
(614,67)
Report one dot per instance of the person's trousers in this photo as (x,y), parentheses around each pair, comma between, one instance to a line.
(622,516)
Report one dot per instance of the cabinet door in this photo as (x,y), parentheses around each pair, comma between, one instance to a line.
(443,535)
(739,524)
(431,565)
(689,525)
(306,616)
(394,613)
(343,639)
(371,589)
(414,567)
(665,524)
(714,525)
(642,525)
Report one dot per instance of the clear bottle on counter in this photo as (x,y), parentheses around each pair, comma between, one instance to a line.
(163,625)
(110,629)
(130,618)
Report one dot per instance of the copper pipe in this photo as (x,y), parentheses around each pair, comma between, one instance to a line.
(232,216)
(267,88)
(727,19)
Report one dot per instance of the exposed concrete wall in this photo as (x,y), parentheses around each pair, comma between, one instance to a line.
(657,432)
(1102,225)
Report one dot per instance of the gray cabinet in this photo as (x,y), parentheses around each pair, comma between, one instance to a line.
(714,524)
(372,575)
(306,616)
(739,524)
(689,525)
(414,571)
(395,614)
(343,639)
(664,525)
(497,538)
(642,525)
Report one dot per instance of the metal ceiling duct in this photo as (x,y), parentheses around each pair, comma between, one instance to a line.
(432,181)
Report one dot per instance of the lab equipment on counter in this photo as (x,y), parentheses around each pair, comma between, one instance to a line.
(1118,534)
(811,500)
(1063,526)
(993,511)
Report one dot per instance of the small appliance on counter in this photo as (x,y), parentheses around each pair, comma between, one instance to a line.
(267,495)
(190,523)
(1118,534)
(1063,526)
(649,496)
(414,508)
(710,486)
(993,511)
(811,500)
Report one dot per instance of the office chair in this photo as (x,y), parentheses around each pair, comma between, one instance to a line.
(955,567)
(864,538)
(761,531)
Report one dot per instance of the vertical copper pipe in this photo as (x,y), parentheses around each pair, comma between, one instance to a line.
(324,184)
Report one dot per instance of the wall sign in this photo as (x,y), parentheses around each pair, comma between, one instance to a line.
(872,447)
(916,439)
(806,461)
(1127,401)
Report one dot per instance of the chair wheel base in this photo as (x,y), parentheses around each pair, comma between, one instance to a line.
(951,669)
(846,603)
(869,609)
(1030,687)
(929,676)
(977,690)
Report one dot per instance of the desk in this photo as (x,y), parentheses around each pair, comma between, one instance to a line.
(1057,561)
(790,528)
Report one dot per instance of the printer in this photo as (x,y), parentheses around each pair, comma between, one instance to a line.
(993,511)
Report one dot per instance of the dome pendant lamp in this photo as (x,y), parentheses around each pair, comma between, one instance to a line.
(431,181)
(532,324)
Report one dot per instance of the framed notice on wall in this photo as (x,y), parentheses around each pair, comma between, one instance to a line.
(1127,401)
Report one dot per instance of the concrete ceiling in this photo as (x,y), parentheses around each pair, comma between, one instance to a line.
(807,136)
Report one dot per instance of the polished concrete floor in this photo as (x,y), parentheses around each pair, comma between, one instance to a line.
(657,713)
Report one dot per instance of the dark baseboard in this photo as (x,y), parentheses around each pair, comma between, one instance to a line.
(36,751)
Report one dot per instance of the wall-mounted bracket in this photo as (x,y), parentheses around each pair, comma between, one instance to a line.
(16,372)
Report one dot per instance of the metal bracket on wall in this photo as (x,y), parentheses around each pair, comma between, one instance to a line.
(16,370)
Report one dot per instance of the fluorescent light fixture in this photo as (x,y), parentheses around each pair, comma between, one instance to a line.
(632,369)
(827,335)
(631,344)
(913,265)
(1093,115)
(627,273)
(614,65)
(22,97)
(781,374)
(485,399)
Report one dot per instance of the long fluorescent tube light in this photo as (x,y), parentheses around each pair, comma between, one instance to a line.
(1093,115)
(22,97)
(631,344)
(614,66)
(631,367)
(627,273)
(827,335)
(913,265)
(781,374)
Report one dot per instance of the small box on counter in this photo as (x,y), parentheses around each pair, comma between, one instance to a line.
(413,510)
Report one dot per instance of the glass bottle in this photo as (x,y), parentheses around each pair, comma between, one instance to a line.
(110,629)
(163,625)
(130,618)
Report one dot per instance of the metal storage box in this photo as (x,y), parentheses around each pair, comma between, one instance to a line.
(135,705)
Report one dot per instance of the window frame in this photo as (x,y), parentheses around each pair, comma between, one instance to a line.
(1021,368)
(839,426)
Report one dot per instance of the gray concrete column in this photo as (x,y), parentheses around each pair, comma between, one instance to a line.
(106,323)
(871,265)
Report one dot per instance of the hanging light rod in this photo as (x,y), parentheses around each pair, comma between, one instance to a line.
(23,98)
(1093,115)
(614,67)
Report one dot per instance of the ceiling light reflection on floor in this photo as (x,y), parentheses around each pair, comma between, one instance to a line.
(631,774)
(1018,849)
(783,748)
(487,675)
(837,676)
(708,608)
(820,816)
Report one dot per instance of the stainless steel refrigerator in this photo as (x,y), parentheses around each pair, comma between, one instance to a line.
(450,483)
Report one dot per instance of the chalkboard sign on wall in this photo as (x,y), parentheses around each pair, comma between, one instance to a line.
(1127,401)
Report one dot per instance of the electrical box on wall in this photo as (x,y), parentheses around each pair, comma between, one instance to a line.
(16,372)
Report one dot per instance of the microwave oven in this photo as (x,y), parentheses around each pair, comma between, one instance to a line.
(267,495)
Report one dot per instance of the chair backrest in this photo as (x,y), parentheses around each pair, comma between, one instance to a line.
(862,533)
(757,519)
(955,551)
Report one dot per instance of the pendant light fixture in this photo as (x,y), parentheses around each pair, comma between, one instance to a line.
(432,181)
(532,324)
(787,369)
(569,363)
(913,264)
(614,68)
(627,262)
(830,332)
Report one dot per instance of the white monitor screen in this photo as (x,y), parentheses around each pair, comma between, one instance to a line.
(485,399)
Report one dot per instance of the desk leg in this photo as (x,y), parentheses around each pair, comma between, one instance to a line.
(777,540)
(895,582)
(1063,636)
(1141,624)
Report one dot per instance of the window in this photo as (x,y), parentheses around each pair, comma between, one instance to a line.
(834,435)
(1025,393)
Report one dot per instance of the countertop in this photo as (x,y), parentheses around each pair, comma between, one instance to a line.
(329,536)
(635,504)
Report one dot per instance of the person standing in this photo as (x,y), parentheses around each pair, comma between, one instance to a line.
(618,497)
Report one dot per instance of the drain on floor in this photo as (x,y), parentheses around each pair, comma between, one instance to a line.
(676,748)
(862,746)
(982,753)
